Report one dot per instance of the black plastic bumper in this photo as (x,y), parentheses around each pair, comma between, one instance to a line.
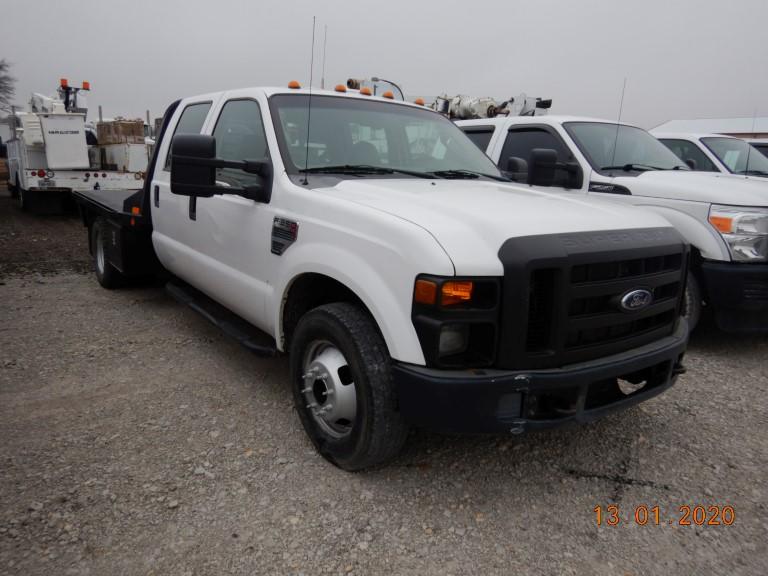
(494,401)
(739,295)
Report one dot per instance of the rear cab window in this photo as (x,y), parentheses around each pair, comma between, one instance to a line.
(191,121)
(480,135)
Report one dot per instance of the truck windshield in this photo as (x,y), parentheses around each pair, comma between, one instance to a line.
(738,156)
(373,137)
(627,149)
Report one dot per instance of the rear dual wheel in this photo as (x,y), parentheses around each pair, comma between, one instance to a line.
(108,276)
(343,388)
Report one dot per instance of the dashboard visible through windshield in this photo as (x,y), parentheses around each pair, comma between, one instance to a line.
(355,136)
(621,148)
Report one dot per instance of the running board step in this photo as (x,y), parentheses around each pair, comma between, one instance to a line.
(227,321)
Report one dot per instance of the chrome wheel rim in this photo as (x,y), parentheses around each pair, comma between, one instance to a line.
(99,253)
(328,389)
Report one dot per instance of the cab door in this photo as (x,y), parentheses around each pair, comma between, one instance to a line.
(518,145)
(231,235)
(170,212)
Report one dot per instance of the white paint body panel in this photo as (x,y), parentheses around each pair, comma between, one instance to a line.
(372,235)
(682,197)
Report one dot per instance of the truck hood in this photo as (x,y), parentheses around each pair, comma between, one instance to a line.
(707,187)
(472,219)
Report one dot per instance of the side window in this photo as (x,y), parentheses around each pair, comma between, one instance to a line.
(480,135)
(239,136)
(521,141)
(191,122)
(686,150)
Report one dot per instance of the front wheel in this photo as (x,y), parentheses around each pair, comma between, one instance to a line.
(692,303)
(343,388)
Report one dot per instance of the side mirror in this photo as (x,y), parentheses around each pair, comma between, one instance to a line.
(194,165)
(517,169)
(691,163)
(193,169)
(542,167)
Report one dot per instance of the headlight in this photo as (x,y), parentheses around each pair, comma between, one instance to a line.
(745,231)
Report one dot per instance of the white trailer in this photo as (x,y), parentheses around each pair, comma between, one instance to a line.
(48,156)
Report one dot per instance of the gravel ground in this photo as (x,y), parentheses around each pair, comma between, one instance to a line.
(137,439)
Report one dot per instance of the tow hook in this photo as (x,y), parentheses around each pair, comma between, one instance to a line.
(679,369)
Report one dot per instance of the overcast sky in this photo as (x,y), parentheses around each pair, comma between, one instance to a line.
(681,58)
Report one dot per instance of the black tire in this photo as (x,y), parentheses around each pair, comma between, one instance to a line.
(377,431)
(692,302)
(108,276)
(23,198)
(14,188)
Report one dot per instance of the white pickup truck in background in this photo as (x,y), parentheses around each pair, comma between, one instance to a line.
(411,284)
(724,218)
(716,153)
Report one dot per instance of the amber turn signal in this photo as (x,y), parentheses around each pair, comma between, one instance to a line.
(425,292)
(456,292)
(722,223)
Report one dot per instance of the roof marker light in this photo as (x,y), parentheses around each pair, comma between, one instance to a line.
(86,85)
(294,85)
(419,101)
(365,91)
(340,88)
(388,94)
(64,82)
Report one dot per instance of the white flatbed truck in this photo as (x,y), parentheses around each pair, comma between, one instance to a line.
(409,282)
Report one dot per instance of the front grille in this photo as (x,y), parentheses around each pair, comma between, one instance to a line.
(571,309)
(756,292)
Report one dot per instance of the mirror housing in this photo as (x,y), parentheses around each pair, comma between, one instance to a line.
(542,166)
(192,170)
(517,169)
(194,165)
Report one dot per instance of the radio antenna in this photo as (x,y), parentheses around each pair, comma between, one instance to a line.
(309,103)
(618,123)
(749,146)
(325,41)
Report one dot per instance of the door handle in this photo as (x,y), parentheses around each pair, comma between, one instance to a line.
(157,196)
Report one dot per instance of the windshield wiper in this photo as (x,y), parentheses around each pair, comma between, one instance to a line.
(361,169)
(630,167)
(468,174)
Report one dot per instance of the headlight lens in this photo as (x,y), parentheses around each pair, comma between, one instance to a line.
(745,231)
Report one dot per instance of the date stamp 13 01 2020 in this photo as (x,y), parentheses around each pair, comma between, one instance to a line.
(685,515)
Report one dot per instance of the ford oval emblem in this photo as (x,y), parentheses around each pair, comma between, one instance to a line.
(635,300)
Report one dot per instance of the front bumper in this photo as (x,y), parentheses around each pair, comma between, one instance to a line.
(496,401)
(739,295)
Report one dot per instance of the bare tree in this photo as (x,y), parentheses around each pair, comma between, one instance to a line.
(7,89)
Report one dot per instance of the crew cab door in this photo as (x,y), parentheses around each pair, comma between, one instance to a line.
(229,235)
(518,145)
(170,212)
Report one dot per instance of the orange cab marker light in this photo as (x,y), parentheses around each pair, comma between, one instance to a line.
(722,223)
(456,293)
(86,85)
(294,85)
(388,94)
(425,292)
(64,82)
(365,91)
(340,88)
(419,101)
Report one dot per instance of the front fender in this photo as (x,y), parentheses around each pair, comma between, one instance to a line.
(386,289)
(694,228)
